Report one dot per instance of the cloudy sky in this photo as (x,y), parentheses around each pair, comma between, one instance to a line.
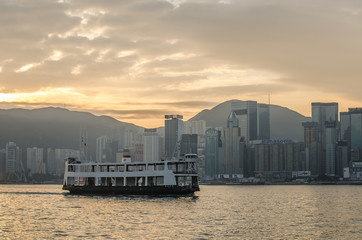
(138,60)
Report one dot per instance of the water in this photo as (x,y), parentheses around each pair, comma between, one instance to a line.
(216,212)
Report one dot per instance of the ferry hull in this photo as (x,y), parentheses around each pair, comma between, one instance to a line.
(131,190)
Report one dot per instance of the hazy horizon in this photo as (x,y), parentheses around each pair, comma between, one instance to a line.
(139,60)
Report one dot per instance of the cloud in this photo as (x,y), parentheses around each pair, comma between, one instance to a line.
(173,51)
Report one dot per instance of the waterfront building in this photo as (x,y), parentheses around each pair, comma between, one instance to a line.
(354,172)
(312,147)
(232,140)
(35,160)
(330,147)
(277,156)
(342,157)
(173,130)
(326,115)
(351,132)
(246,113)
(14,164)
(151,145)
(213,153)
(356,132)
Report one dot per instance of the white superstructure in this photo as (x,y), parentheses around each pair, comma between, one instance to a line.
(169,176)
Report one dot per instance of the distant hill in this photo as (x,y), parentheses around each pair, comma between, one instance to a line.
(56,127)
(284,123)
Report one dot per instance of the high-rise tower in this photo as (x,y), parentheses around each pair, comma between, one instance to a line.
(326,115)
(173,132)
(151,145)
(246,113)
(232,161)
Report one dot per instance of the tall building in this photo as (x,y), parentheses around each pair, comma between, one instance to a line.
(188,144)
(322,112)
(13,160)
(101,149)
(279,156)
(195,127)
(312,147)
(342,157)
(263,121)
(138,152)
(232,140)
(247,115)
(356,129)
(128,139)
(351,132)
(151,145)
(51,164)
(35,160)
(213,151)
(2,164)
(173,131)
(345,127)
(330,132)
(326,115)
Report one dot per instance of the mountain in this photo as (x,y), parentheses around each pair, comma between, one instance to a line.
(56,127)
(284,123)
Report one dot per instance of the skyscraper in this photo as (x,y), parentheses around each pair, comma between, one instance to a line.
(101,149)
(213,145)
(351,132)
(151,145)
(173,131)
(188,144)
(312,147)
(13,159)
(35,160)
(195,127)
(356,128)
(246,113)
(232,141)
(2,164)
(263,121)
(326,115)
(330,132)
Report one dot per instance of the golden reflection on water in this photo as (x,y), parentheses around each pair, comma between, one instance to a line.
(216,212)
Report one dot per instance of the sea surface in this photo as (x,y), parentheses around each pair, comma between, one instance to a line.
(216,212)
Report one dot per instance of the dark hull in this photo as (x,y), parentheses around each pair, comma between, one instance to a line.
(131,190)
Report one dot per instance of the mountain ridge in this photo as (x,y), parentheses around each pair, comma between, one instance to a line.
(284,122)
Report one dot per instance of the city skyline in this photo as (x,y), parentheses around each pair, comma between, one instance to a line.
(137,61)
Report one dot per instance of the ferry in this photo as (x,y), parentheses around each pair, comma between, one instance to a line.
(167,177)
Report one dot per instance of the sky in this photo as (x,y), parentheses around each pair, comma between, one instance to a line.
(139,60)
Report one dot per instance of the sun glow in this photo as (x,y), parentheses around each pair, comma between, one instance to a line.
(8,97)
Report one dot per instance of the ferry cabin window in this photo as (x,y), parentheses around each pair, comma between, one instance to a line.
(159,181)
(141,167)
(160,167)
(151,167)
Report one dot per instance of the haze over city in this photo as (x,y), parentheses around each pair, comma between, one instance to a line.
(139,60)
